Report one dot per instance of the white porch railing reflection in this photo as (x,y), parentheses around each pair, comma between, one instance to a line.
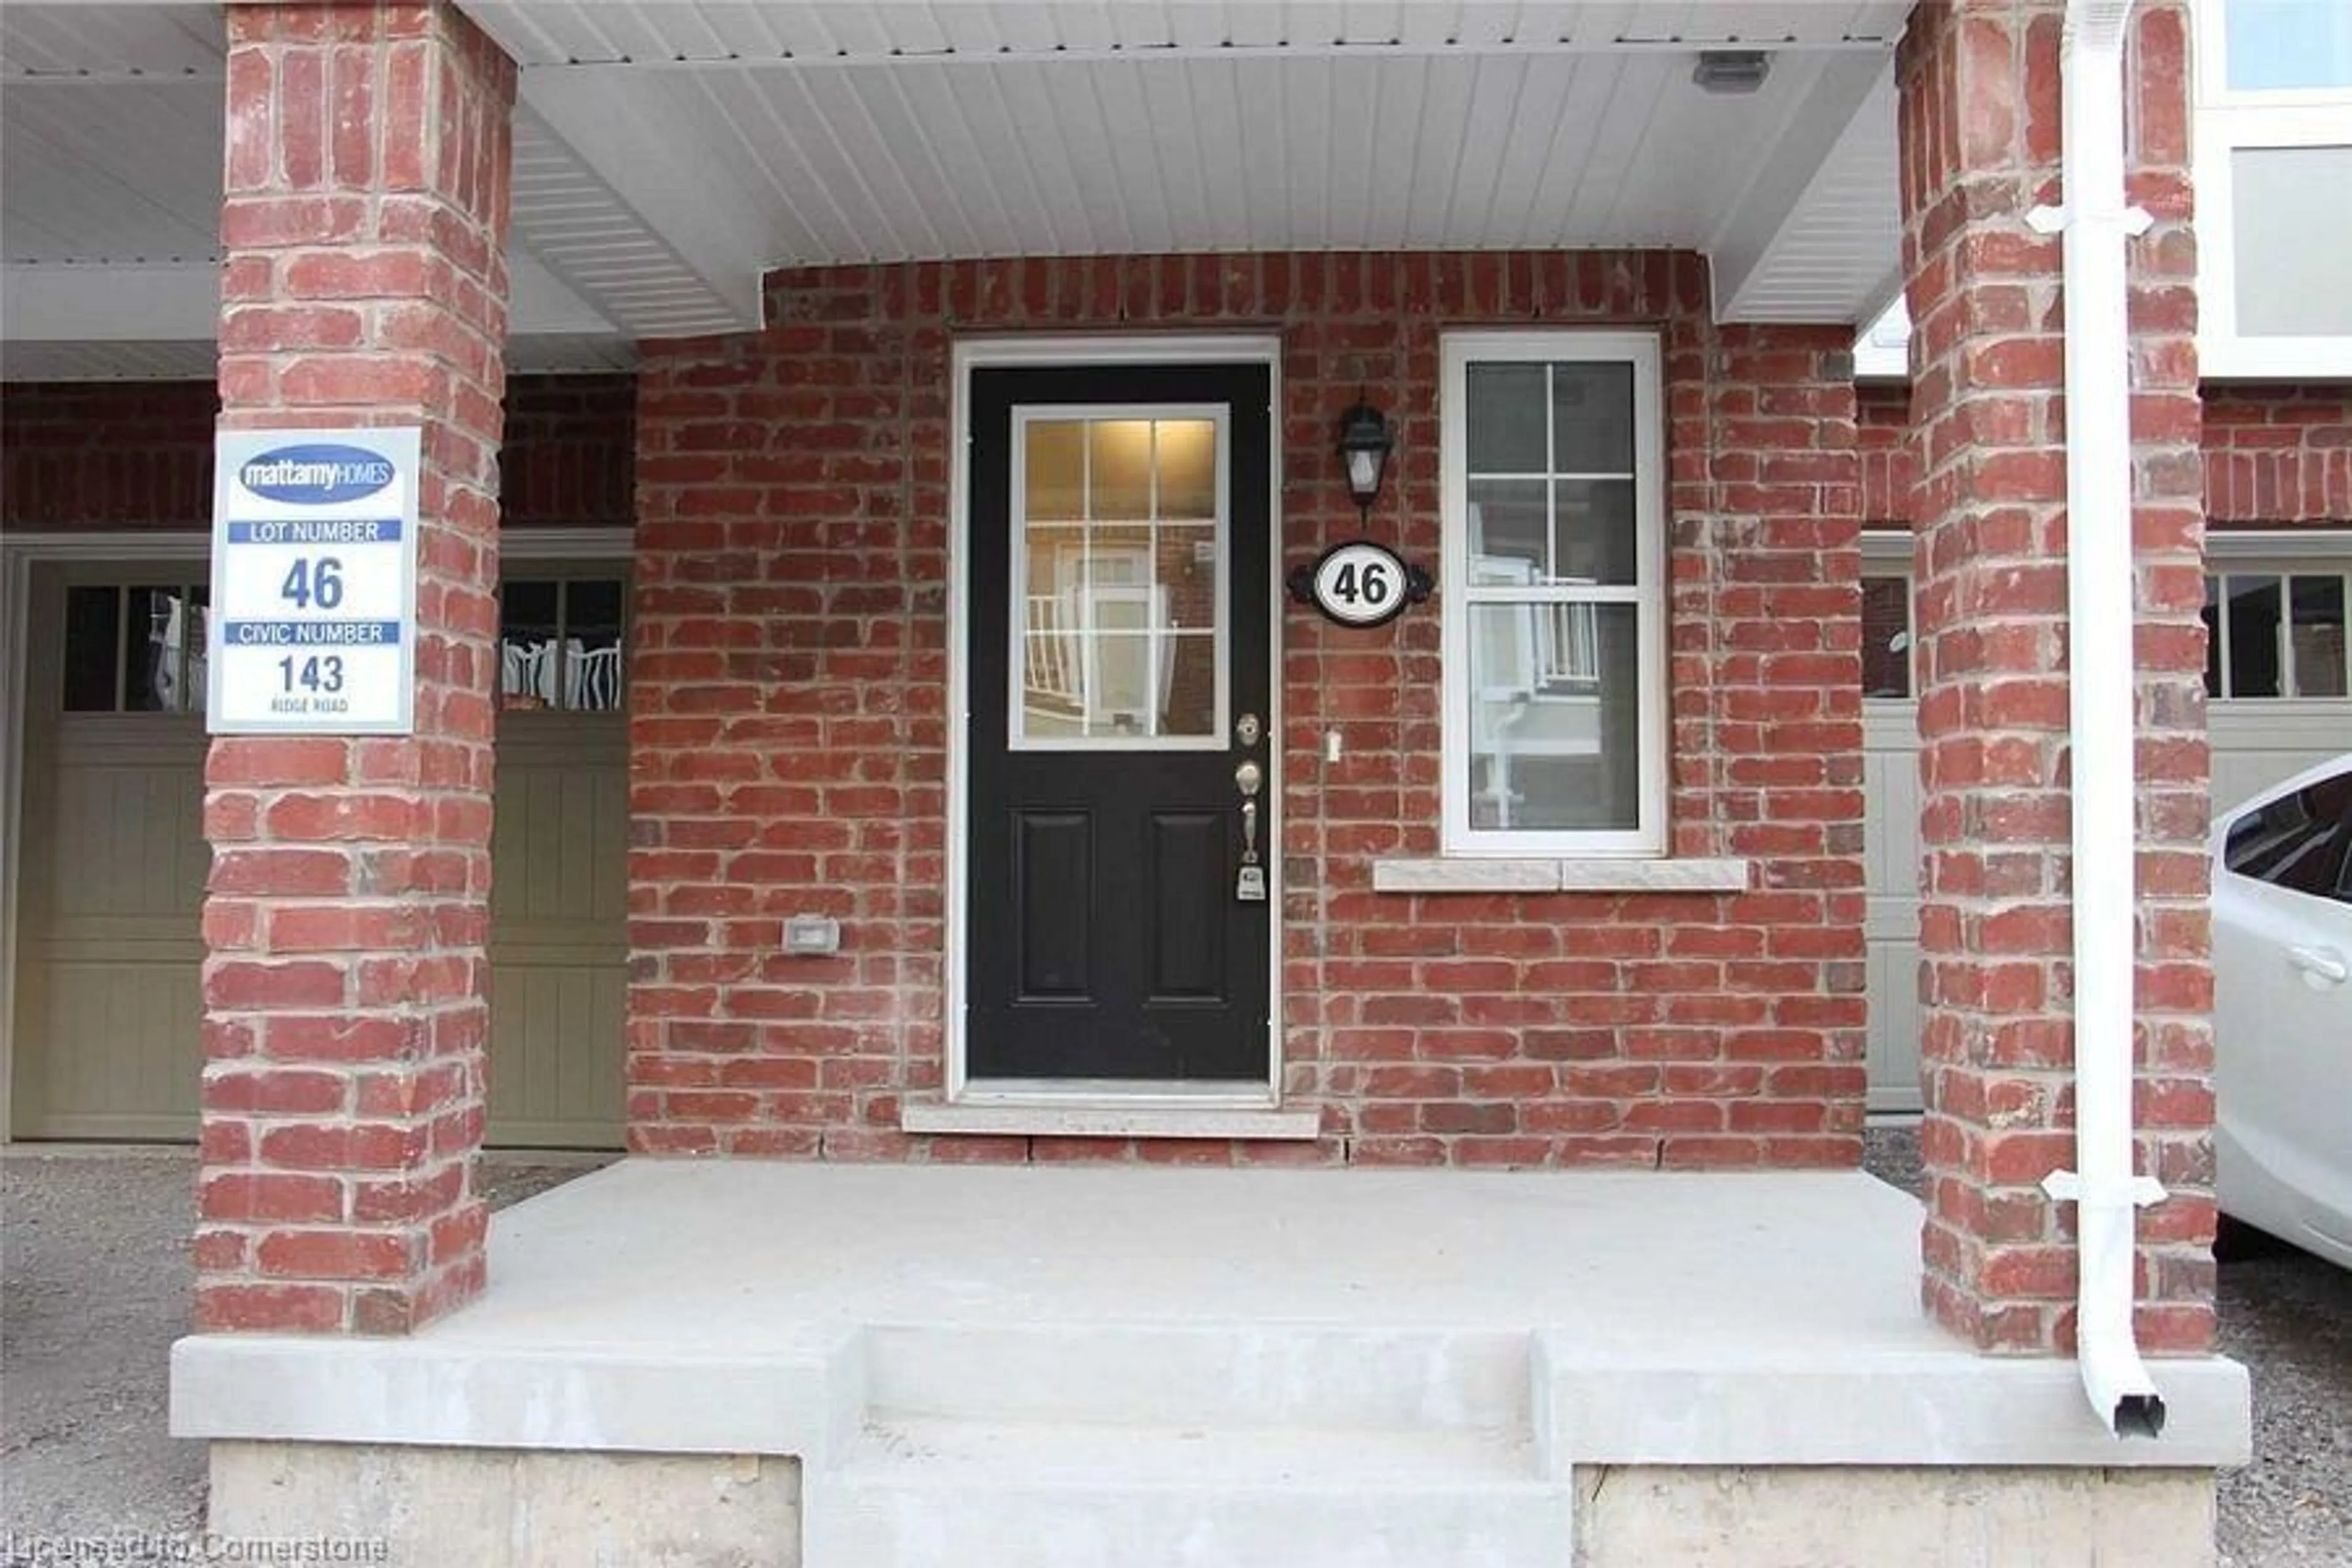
(589,679)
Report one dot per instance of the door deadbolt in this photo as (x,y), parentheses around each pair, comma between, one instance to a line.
(1246,730)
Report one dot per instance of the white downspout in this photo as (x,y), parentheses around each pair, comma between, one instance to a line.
(2099,611)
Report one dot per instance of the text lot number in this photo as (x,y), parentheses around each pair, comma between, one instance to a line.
(313,585)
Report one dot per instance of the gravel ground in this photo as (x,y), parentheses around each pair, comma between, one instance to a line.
(96,1286)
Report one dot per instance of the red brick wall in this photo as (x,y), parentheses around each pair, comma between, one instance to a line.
(139,454)
(789,733)
(2278,455)
(1882,427)
(107,455)
(2273,456)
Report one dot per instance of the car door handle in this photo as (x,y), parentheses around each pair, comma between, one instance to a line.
(2320,965)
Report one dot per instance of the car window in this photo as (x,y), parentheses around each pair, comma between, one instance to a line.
(2302,842)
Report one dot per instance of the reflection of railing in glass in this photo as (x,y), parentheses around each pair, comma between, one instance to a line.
(590,676)
(175,662)
(1568,646)
(592,679)
(1051,664)
(1084,656)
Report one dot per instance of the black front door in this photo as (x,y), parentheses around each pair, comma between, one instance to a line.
(1120,862)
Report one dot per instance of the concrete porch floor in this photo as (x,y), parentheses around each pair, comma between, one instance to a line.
(1461,1345)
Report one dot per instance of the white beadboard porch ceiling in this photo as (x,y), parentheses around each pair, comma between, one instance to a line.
(811,133)
(668,154)
(111,124)
(558,32)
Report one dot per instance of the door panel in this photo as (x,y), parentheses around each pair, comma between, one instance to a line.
(559,930)
(1051,878)
(1185,904)
(1119,629)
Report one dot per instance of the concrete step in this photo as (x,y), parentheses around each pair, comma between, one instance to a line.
(916,1493)
(1222,1377)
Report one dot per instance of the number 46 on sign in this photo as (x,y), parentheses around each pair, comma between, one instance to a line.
(1361,584)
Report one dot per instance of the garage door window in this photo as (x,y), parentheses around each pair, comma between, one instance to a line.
(135,649)
(561,643)
(2277,634)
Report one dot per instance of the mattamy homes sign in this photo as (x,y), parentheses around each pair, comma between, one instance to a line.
(314,574)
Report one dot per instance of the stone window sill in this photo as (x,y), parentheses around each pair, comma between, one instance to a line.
(1547,875)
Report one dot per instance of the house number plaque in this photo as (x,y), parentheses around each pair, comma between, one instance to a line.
(1361,584)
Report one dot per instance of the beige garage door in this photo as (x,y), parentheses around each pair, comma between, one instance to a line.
(2279,676)
(111,880)
(559,864)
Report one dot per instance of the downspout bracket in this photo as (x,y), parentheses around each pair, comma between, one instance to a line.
(2048,219)
(2140,1192)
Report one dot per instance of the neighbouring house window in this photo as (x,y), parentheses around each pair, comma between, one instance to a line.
(135,649)
(1553,578)
(2273,97)
(2287,46)
(1886,638)
(2277,634)
(561,642)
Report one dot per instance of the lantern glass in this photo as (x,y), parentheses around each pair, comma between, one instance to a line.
(1364,444)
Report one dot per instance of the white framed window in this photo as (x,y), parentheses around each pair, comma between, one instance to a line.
(1553,582)
(2278,630)
(2274,127)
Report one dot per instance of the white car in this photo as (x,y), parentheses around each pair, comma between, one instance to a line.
(2282,1010)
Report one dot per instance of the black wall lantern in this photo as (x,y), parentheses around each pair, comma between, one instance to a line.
(1359,582)
(1365,442)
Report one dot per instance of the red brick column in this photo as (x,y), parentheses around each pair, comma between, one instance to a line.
(365,228)
(1980,135)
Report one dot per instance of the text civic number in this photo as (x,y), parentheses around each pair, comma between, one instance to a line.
(319,672)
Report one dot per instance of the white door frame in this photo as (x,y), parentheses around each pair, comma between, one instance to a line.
(20,554)
(1169,348)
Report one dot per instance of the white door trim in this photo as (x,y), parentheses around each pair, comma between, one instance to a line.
(1162,348)
(20,552)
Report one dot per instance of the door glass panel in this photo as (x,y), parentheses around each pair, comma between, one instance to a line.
(1119,630)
